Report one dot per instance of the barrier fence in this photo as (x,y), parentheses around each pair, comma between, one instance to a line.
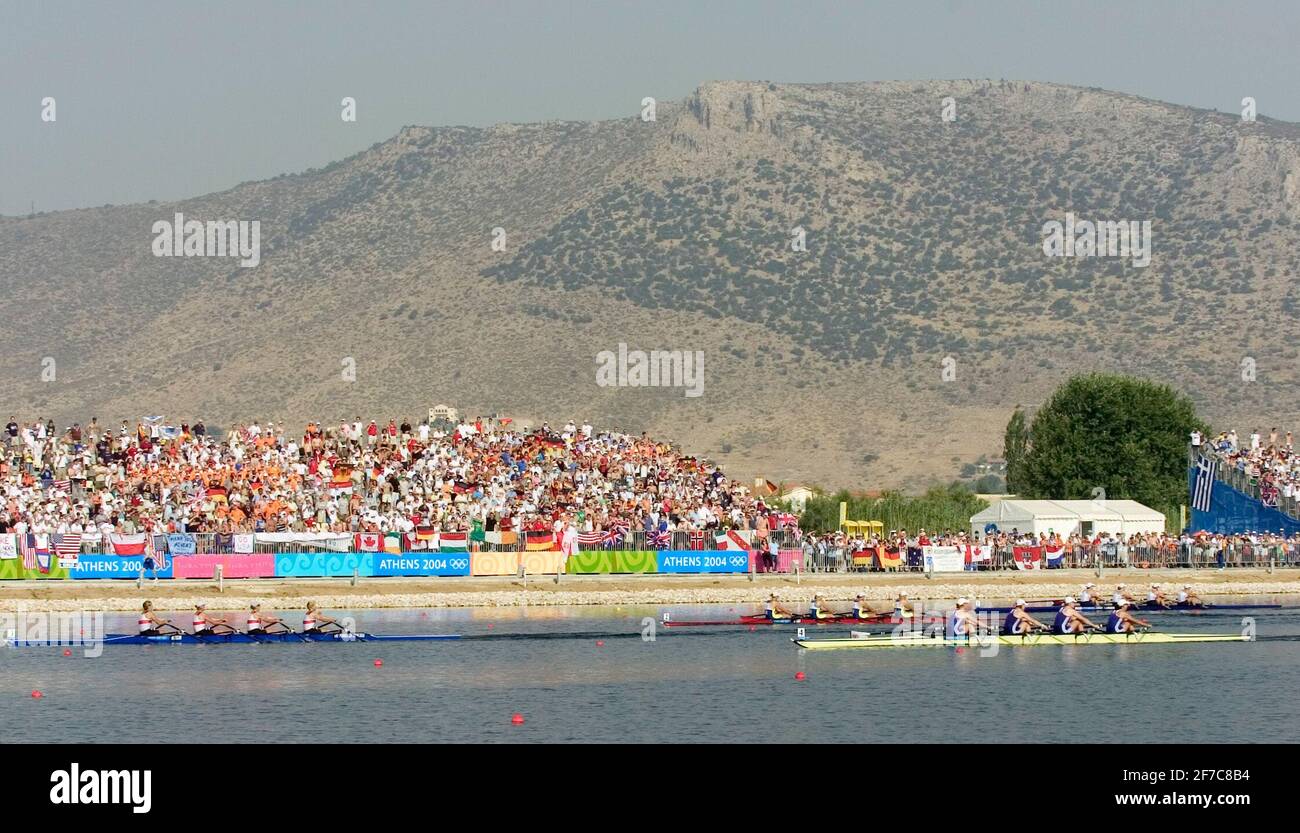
(784,551)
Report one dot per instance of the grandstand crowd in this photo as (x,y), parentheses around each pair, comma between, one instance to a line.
(358,477)
(1273,466)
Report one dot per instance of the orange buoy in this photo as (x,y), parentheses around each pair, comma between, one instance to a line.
(799,675)
(517,719)
(379,663)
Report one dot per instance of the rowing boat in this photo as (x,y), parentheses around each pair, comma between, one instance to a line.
(1151,606)
(233,639)
(922,640)
(760,619)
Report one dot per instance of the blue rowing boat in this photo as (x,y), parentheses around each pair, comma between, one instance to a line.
(237,639)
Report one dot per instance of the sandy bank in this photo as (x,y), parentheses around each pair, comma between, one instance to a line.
(614,590)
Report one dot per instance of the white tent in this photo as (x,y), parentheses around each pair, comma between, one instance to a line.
(1066,517)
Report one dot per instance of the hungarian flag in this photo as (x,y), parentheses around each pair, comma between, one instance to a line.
(538,541)
(128,544)
(1028,558)
(369,542)
(453,541)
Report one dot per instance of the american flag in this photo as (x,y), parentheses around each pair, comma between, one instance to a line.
(64,486)
(590,539)
(67,545)
(36,552)
(1205,471)
(27,546)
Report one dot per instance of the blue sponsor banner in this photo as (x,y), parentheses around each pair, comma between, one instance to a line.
(117,566)
(703,561)
(422,564)
(324,564)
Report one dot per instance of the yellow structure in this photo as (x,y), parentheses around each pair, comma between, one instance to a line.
(864,528)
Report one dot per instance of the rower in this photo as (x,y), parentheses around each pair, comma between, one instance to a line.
(1120,595)
(902,607)
(775,610)
(1122,621)
(1188,598)
(1156,597)
(818,609)
(259,622)
(1020,623)
(1070,621)
(1088,596)
(862,610)
(313,621)
(151,624)
(962,623)
(206,623)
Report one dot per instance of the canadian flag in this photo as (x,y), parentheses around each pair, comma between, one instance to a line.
(369,542)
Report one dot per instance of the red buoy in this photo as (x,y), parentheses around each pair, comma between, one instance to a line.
(67,652)
(36,695)
(489,626)
(600,643)
(799,675)
(379,663)
(517,719)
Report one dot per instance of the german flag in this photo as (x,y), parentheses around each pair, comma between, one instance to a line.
(536,541)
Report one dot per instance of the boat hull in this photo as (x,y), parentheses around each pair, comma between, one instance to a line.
(237,639)
(923,641)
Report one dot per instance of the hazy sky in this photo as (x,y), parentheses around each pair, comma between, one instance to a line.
(164,100)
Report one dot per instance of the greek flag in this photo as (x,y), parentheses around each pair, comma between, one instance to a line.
(1205,471)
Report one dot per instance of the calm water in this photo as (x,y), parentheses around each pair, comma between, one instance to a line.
(714,684)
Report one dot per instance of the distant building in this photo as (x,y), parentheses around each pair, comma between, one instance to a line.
(797,496)
(443,412)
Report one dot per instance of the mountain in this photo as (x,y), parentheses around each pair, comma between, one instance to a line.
(888,353)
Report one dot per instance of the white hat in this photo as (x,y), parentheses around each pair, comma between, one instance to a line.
(1069,600)
(1120,586)
(1020,602)
(961,601)
(1090,584)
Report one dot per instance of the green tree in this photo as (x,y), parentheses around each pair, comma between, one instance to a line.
(1015,444)
(1122,434)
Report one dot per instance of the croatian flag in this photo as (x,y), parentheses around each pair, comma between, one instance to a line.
(1205,471)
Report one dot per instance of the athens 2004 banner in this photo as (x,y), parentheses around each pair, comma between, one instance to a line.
(370,564)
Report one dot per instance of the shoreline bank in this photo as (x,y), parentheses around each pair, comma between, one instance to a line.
(620,590)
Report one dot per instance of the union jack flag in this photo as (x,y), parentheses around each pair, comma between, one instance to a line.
(616,533)
(661,540)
